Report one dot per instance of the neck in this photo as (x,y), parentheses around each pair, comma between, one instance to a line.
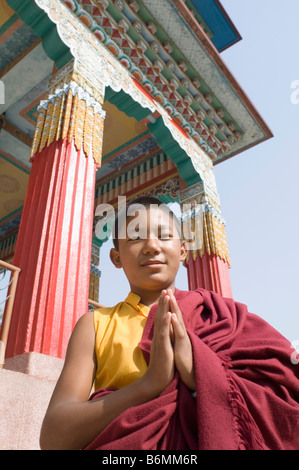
(148,297)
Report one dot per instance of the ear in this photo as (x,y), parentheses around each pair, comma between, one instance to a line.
(115,258)
(183,251)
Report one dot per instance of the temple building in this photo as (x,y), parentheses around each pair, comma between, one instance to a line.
(102,99)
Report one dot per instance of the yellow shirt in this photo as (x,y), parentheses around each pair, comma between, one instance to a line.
(118,331)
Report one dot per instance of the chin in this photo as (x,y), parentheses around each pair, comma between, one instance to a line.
(159,283)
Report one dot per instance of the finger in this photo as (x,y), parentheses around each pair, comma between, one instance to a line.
(178,329)
(171,331)
(161,309)
(173,302)
(163,317)
(174,308)
(162,339)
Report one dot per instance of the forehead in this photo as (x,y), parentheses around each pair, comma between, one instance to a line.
(141,222)
(154,215)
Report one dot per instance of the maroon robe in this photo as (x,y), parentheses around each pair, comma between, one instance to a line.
(247,389)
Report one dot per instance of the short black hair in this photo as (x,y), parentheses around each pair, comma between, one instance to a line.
(146,202)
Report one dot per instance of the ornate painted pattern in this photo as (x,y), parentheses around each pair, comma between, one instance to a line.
(8,245)
(71,111)
(203,226)
(95,274)
(154,174)
(102,66)
(170,189)
(136,43)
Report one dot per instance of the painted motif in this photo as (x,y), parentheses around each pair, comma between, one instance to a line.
(181,94)
(203,226)
(101,65)
(71,112)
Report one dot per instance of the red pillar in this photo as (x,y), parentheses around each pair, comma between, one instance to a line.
(203,228)
(209,272)
(54,241)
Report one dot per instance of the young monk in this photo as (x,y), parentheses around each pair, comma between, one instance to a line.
(173,370)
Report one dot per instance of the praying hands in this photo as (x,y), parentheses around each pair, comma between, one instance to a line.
(171,346)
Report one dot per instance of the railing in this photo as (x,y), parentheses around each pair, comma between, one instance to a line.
(92,305)
(4,267)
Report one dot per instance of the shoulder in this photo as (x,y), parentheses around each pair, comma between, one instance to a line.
(83,333)
(104,315)
(105,312)
(80,351)
(84,322)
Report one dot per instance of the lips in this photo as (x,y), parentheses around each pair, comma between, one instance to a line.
(152,262)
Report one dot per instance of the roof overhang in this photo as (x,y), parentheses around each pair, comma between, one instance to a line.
(222,31)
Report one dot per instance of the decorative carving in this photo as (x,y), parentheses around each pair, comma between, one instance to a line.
(203,226)
(170,188)
(102,65)
(114,42)
(73,110)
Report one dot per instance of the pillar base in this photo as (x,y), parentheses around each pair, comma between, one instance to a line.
(36,365)
(26,386)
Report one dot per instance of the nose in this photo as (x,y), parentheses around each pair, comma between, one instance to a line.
(151,245)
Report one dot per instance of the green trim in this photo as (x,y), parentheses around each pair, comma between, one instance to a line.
(174,151)
(96,241)
(31,113)
(27,171)
(135,169)
(8,23)
(43,27)
(125,103)
(160,132)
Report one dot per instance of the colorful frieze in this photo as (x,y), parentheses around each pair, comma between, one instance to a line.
(98,64)
(95,274)
(203,226)
(154,174)
(155,63)
(73,111)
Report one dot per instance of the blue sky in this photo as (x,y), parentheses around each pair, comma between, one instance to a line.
(258,189)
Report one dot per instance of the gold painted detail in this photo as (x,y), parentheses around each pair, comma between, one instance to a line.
(203,226)
(205,233)
(74,113)
(95,274)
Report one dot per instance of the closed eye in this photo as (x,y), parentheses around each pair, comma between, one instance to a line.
(165,236)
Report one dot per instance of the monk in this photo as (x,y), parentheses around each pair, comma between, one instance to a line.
(171,369)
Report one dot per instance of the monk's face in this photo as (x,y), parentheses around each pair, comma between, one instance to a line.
(151,252)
